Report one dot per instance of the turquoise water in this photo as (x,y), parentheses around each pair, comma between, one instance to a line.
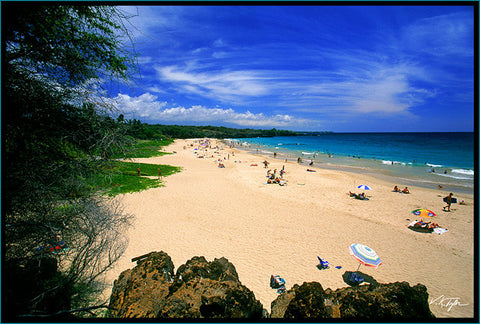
(425,159)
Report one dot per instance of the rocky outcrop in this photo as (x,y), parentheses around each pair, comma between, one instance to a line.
(199,289)
(202,289)
(394,301)
(141,292)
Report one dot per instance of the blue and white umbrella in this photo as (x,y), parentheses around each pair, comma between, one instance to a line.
(364,187)
(365,255)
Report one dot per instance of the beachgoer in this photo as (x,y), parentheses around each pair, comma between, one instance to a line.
(405,190)
(265,163)
(395,189)
(311,162)
(160,174)
(275,155)
(449,201)
(440,186)
(138,171)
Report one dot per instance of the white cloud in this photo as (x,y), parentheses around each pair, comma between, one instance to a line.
(147,107)
(143,106)
(224,85)
(443,35)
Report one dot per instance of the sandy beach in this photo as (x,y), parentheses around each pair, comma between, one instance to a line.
(266,229)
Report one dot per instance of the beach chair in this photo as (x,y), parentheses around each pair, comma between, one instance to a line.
(323,263)
(355,279)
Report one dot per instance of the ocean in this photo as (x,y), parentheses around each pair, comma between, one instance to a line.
(407,159)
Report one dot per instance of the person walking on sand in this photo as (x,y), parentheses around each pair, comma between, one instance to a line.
(448,200)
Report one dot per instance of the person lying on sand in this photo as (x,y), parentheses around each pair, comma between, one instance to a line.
(359,196)
(426,224)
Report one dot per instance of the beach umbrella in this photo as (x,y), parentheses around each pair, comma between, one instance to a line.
(423,213)
(364,255)
(364,187)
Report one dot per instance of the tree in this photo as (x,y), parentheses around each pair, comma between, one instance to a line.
(56,134)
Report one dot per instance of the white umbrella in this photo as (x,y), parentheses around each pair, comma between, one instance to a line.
(364,187)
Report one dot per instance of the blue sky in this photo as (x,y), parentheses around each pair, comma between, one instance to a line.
(315,68)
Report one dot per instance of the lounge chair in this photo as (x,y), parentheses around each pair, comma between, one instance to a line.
(323,263)
(355,279)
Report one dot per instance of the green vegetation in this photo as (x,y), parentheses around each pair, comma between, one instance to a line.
(122,177)
(145,149)
(141,130)
(56,134)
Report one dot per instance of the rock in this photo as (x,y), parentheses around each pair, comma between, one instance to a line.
(382,302)
(279,305)
(308,302)
(394,301)
(140,292)
(205,289)
(199,289)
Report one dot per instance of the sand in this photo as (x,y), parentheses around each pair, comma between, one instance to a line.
(270,229)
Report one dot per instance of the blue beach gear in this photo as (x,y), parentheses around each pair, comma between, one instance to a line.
(355,278)
(323,263)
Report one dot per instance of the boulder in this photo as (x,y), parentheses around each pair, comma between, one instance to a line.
(140,292)
(199,289)
(205,289)
(279,305)
(308,302)
(393,301)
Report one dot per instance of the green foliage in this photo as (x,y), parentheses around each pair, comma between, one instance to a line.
(141,130)
(122,177)
(54,138)
(144,148)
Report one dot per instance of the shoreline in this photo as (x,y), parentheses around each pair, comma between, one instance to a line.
(388,162)
(380,174)
(268,229)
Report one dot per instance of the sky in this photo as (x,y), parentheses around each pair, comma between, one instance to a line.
(312,68)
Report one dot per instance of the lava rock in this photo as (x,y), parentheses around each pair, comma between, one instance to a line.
(393,301)
(140,292)
(199,289)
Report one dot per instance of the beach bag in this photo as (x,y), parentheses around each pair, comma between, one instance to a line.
(276,282)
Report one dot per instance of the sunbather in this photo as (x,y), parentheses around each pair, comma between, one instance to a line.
(359,196)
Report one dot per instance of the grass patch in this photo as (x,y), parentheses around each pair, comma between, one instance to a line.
(121,177)
(146,149)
